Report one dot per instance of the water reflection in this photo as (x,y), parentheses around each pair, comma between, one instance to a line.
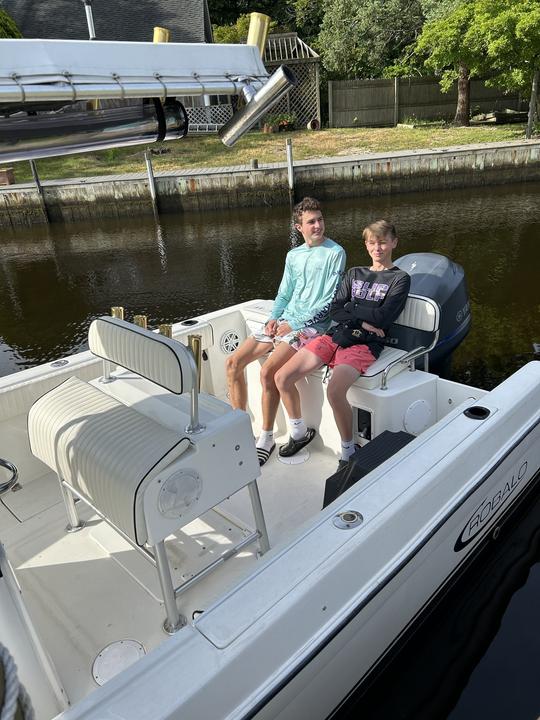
(483,610)
(160,242)
(57,278)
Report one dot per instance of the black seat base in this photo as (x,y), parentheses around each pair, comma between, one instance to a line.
(364,461)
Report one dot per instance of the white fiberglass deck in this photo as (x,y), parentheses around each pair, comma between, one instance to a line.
(88,589)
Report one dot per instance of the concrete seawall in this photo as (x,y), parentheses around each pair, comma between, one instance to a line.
(241,186)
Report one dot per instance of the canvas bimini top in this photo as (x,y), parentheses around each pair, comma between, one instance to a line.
(72,70)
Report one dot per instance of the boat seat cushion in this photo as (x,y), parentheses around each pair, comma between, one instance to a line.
(74,429)
(372,377)
(165,362)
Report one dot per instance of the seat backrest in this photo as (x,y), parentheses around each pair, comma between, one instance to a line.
(157,358)
(416,326)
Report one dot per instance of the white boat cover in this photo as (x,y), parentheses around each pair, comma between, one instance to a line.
(46,61)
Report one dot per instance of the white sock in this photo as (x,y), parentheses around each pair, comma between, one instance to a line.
(266,439)
(347,449)
(298,428)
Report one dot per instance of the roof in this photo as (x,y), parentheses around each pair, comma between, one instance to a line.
(124,20)
(287,47)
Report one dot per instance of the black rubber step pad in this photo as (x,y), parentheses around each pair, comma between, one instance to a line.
(363,461)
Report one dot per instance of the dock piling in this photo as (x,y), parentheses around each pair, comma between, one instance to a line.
(290,171)
(40,191)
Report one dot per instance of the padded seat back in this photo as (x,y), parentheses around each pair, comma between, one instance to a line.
(157,358)
(417,326)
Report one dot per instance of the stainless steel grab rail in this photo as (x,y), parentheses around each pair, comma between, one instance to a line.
(407,359)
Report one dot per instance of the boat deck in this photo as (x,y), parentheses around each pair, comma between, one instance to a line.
(87,589)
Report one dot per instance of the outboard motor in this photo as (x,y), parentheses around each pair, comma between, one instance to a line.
(442,280)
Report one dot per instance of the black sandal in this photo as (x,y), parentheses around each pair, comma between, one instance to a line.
(293,446)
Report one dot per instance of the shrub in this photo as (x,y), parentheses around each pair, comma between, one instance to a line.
(8,27)
(281,121)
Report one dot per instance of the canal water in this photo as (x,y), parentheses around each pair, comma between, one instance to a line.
(483,660)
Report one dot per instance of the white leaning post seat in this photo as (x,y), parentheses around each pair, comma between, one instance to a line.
(419,322)
(144,478)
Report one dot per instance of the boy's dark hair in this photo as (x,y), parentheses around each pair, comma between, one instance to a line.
(308,204)
(381,229)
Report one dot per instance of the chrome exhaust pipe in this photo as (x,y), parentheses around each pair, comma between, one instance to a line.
(31,137)
(260,103)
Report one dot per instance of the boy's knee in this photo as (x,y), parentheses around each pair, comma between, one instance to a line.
(279,379)
(268,374)
(233,365)
(335,395)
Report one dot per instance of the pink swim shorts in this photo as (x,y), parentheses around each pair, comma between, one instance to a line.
(359,357)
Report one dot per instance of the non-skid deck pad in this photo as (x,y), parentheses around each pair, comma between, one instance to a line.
(363,461)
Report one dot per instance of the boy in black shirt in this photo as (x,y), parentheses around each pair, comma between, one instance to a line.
(368,301)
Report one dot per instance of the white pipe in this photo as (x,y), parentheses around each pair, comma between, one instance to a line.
(90,19)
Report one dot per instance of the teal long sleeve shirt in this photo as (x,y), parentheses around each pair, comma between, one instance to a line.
(309,283)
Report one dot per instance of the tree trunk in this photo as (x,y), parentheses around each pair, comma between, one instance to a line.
(463,97)
(532,104)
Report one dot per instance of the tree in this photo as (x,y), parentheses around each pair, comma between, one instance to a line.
(495,39)
(448,50)
(227,12)
(233,33)
(435,9)
(508,31)
(8,27)
(236,33)
(359,38)
(306,17)
(302,16)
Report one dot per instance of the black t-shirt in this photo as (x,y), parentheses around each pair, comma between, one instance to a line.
(373,296)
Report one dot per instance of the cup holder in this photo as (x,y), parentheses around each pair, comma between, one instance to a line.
(189,322)
(477,412)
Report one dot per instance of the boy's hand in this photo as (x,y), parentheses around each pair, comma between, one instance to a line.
(371,328)
(283,329)
(270,327)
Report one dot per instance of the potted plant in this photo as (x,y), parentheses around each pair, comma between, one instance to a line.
(280,122)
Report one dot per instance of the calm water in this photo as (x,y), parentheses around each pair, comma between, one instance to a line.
(56,279)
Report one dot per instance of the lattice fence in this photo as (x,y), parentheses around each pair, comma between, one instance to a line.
(208,118)
(303,99)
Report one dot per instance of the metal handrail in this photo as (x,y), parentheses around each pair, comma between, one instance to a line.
(407,359)
(80,91)
(9,484)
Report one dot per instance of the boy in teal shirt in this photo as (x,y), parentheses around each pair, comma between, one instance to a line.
(300,312)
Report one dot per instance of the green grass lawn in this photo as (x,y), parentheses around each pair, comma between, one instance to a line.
(207,150)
